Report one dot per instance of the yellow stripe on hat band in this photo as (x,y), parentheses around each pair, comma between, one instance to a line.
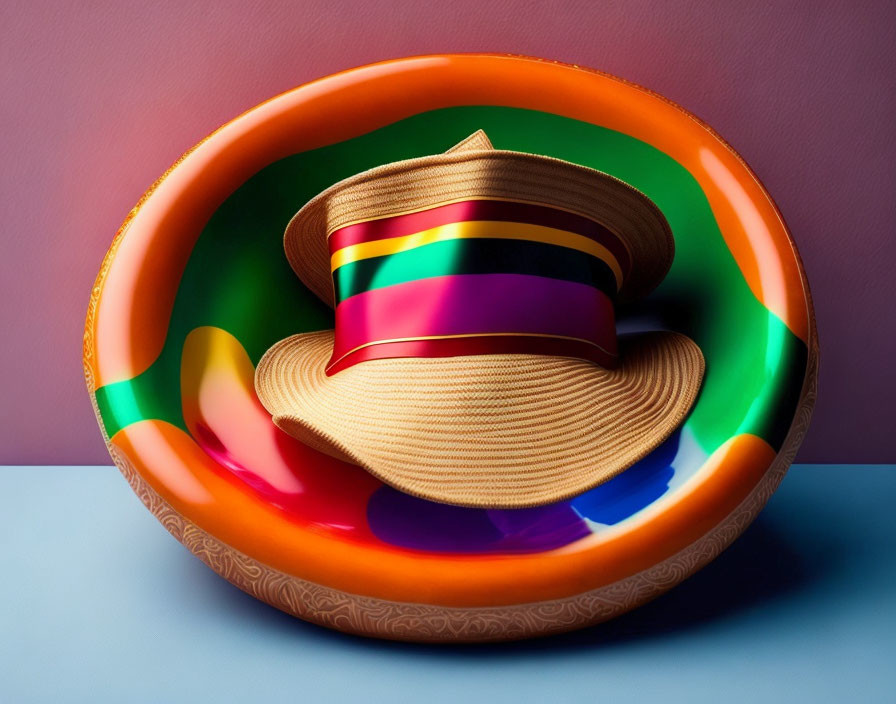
(473,229)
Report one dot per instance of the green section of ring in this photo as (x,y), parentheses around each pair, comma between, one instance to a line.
(238,278)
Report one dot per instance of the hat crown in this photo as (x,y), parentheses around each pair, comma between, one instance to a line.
(475,274)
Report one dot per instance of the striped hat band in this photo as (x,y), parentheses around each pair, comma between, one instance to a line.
(475,276)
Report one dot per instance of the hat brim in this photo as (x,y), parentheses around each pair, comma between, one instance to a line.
(488,431)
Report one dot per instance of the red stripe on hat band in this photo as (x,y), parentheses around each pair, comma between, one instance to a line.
(468,210)
(476,307)
(492,344)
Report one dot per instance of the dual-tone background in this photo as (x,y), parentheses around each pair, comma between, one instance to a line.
(98,99)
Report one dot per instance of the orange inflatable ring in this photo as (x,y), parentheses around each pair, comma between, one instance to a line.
(195,288)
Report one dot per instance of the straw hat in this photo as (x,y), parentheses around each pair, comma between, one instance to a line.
(474,359)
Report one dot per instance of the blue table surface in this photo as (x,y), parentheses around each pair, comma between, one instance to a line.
(99,603)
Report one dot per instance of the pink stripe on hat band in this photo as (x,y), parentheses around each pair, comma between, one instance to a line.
(476,305)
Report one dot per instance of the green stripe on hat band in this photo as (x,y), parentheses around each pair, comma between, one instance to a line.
(473,256)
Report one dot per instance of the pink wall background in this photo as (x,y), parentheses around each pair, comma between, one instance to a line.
(99,98)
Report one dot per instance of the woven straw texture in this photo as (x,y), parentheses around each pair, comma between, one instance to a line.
(484,430)
(472,170)
(499,430)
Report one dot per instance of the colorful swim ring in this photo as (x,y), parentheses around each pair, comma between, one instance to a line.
(195,288)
